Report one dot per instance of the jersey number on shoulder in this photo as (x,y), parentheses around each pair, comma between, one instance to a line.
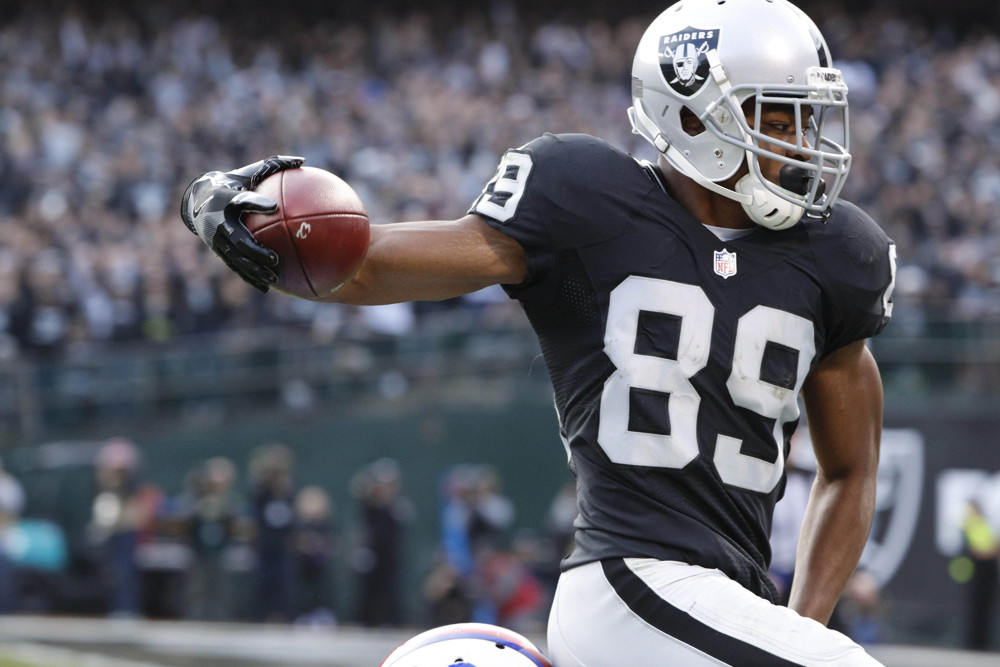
(640,376)
(502,194)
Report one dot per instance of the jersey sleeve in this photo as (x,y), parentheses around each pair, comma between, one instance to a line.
(554,194)
(860,273)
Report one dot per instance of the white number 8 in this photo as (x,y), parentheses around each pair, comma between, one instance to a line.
(672,378)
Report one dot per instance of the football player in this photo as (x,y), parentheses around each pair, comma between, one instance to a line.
(682,307)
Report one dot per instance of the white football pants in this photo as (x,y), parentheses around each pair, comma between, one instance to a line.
(640,612)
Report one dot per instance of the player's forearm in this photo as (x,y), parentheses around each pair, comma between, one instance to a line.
(834,531)
(843,398)
(402,265)
(430,261)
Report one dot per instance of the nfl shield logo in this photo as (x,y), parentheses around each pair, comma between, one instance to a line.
(725,263)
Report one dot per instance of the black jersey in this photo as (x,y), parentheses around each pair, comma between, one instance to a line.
(676,358)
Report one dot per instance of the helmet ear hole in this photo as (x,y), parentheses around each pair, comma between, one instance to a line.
(690,123)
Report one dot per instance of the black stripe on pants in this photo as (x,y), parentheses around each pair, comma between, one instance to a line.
(677,623)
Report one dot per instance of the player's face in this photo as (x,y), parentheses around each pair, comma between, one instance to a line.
(778,121)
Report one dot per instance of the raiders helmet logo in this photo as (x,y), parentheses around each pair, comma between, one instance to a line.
(683,60)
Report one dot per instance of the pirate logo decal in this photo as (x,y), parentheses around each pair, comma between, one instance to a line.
(683,58)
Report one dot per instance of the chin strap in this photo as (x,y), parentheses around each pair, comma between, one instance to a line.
(765,208)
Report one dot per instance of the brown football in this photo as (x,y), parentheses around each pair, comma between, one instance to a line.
(320,230)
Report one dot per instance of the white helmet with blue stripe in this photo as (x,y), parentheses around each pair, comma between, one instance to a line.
(467,645)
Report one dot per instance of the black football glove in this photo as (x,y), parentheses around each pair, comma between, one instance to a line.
(213,206)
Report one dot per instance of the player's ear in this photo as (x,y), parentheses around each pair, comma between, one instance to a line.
(690,123)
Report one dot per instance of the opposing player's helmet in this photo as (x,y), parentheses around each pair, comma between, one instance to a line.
(712,56)
(467,645)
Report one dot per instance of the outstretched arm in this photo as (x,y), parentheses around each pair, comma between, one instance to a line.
(415,261)
(843,398)
(429,261)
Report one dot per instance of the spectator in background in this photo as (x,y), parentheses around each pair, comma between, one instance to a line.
(448,588)
(11,505)
(510,584)
(446,593)
(492,513)
(475,516)
(556,541)
(116,517)
(378,559)
(45,317)
(860,611)
(455,516)
(163,553)
(315,549)
(983,546)
(497,575)
(272,493)
(213,512)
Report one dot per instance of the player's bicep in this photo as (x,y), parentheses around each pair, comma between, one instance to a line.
(433,260)
(843,400)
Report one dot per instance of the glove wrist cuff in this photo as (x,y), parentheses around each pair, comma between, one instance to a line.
(186,202)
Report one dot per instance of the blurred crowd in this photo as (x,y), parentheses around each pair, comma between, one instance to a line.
(222,547)
(245,541)
(105,115)
(258,546)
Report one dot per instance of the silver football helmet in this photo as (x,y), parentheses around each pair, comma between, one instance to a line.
(712,56)
(467,645)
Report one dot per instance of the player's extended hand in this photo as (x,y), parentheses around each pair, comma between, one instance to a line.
(213,206)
